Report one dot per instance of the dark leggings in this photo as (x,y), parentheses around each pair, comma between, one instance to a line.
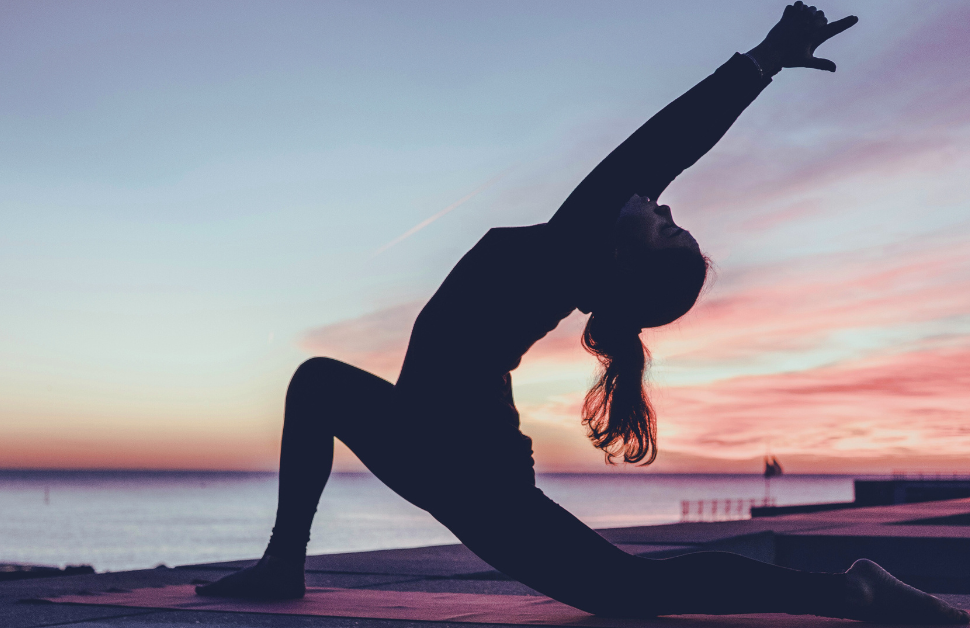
(512,526)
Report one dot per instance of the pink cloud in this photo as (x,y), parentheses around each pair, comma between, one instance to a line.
(905,411)
(375,342)
(800,305)
(906,404)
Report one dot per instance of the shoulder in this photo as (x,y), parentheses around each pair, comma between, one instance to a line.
(505,255)
(511,234)
(518,241)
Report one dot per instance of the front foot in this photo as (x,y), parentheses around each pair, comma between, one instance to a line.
(269,579)
(876,596)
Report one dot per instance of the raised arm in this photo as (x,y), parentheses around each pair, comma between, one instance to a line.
(687,128)
(671,141)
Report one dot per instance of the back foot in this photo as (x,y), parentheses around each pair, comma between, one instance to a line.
(270,579)
(879,597)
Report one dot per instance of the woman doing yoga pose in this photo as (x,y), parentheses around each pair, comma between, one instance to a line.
(446,435)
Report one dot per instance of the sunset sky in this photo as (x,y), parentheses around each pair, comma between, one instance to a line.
(196,197)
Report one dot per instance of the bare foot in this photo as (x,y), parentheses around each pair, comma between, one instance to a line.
(879,597)
(269,579)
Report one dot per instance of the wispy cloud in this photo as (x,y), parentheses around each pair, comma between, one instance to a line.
(427,221)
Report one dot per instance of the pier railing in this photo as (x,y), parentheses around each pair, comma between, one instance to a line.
(919,475)
(721,509)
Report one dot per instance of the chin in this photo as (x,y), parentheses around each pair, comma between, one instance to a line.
(666,316)
(660,322)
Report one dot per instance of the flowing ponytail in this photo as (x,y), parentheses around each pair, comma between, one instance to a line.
(617,412)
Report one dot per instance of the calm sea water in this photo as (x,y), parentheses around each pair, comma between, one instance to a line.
(132,520)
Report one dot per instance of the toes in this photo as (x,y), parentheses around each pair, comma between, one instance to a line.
(953,615)
(226,587)
(208,590)
(893,601)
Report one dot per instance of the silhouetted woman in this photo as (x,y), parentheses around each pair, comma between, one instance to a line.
(446,436)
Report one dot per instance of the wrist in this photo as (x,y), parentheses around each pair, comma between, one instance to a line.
(767,58)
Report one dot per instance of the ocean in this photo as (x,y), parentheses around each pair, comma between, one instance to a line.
(119,520)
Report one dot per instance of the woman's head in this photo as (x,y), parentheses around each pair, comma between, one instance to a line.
(654,278)
(657,270)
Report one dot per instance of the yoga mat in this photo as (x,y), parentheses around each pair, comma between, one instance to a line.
(422,606)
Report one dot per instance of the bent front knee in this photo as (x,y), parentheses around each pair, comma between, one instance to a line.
(318,366)
(315,371)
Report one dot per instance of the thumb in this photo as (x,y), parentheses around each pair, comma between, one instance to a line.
(819,64)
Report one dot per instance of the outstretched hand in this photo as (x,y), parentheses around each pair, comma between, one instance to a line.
(791,43)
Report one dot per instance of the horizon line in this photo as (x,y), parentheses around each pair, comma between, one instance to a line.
(929,475)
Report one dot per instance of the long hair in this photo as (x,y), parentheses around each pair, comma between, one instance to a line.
(617,413)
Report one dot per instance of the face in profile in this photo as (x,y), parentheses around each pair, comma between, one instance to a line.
(645,226)
(658,270)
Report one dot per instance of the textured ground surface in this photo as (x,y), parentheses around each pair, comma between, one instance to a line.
(934,555)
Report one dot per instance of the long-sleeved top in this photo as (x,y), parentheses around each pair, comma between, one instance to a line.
(516,284)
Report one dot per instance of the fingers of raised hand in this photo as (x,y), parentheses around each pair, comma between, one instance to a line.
(811,15)
(803,15)
(800,8)
(793,10)
(802,29)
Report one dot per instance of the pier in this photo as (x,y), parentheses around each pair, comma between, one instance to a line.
(901,489)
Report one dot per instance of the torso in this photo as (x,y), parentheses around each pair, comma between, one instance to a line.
(511,289)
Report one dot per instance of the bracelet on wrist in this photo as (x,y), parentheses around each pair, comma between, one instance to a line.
(761,70)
